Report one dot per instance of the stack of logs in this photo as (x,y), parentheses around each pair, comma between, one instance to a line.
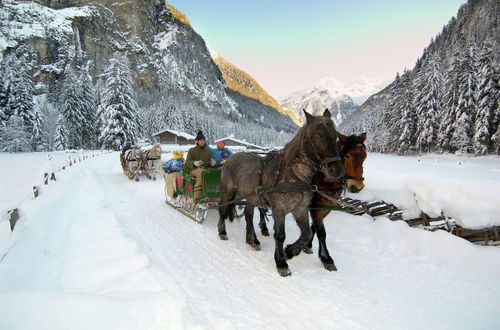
(485,236)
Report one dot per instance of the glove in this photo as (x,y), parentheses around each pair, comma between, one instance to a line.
(213,162)
(197,163)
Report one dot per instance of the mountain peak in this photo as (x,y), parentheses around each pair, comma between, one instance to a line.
(330,93)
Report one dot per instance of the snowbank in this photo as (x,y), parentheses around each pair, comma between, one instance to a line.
(466,189)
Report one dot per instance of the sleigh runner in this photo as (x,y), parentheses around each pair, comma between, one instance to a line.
(210,195)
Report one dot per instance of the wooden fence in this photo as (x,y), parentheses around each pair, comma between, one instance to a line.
(485,236)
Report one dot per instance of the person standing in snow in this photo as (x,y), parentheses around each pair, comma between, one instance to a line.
(199,157)
(171,170)
(221,154)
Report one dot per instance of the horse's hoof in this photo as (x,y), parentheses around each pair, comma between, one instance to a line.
(223,237)
(284,272)
(330,267)
(307,250)
(136,179)
(265,232)
(255,246)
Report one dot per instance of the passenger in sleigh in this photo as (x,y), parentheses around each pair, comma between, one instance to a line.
(171,169)
(199,157)
(221,154)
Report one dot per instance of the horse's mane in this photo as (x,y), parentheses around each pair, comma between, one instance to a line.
(292,148)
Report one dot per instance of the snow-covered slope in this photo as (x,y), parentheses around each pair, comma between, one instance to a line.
(330,93)
(97,251)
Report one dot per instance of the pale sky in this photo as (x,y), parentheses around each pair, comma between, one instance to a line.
(287,45)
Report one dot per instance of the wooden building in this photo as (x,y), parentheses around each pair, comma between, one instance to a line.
(169,136)
(232,142)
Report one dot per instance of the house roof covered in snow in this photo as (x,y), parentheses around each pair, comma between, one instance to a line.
(245,143)
(181,134)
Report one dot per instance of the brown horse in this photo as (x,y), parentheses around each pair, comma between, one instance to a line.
(353,154)
(282,182)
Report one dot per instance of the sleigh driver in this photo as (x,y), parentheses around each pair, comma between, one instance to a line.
(198,158)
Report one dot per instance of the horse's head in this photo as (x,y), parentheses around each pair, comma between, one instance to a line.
(353,152)
(319,133)
(156,151)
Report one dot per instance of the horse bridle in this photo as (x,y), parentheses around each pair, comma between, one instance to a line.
(344,152)
(317,159)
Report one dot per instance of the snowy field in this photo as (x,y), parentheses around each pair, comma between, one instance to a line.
(97,251)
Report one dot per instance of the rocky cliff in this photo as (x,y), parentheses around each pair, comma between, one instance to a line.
(167,57)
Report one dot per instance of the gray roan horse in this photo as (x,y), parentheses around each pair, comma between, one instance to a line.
(281,182)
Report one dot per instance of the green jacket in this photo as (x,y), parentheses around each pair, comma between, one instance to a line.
(197,153)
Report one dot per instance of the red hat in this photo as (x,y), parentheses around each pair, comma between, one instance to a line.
(221,144)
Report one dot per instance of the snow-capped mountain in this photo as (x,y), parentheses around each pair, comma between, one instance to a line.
(330,93)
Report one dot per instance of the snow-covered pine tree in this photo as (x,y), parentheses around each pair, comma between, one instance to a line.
(37,135)
(450,101)
(408,118)
(20,86)
(60,134)
(88,111)
(429,103)
(466,106)
(3,95)
(118,114)
(487,100)
(391,117)
(14,135)
(72,108)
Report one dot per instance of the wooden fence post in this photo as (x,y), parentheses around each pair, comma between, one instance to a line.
(13,217)
(36,191)
(46,178)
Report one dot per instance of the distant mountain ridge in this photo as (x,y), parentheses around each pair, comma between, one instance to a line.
(241,82)
(330,93)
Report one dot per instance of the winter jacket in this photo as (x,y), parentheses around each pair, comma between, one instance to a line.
(124,149)
(197,153)
(174,165)
(220,155)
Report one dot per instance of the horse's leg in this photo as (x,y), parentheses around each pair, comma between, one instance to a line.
(279,239)
(302,219)
(262,222)
(251,238)
(225,212)
(308,247)
(324,255)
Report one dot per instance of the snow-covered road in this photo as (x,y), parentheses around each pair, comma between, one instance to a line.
(97,251)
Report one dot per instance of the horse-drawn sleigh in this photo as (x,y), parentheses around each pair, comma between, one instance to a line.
(136,161)
(307,176)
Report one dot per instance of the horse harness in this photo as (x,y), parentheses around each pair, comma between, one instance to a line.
(284,187)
